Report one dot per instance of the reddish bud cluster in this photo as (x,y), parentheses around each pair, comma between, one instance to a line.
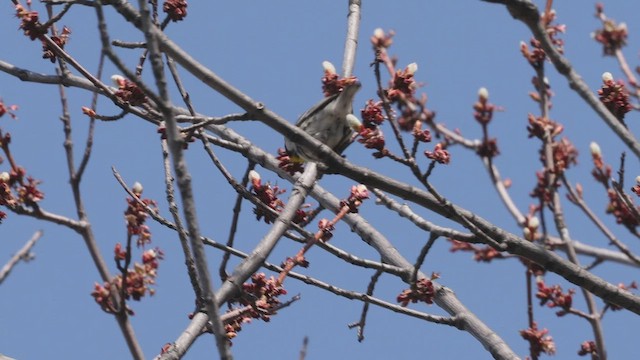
(588,348)
(538,126)
(333,84)
(7,109)
(358,194)
(373,138)
(403,85)
(176,9)
(268,195)
(419,134)
(564,155)
(553,31)
(543,190)
(17,189)
(138,282)
(129,92)
(480,254)
(29,23)
(536,56)
(289,164)
(61,41)
(538,341)
(372,114)
(554,297)
(488,148)
(620,211)
(422,291)
(265,292)
(261,296)
(615,97)
(136,216)
(369,132)
(382,40)
(483,110)
(326,228)
(439,154)
(612,36)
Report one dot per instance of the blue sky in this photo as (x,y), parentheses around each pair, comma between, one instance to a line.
(273,51)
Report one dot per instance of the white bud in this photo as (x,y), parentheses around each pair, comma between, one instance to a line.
(117,80)
(412,68)
(254,176)
(4,177)
(137,188)
(638,179)
(606,76)
(483,93)
(523,44)
(622,26)
(595,148)
(328,67)
(527,233)
(354,122)
(534,222)
(378,33)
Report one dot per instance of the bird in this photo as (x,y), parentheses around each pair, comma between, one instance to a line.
(327,122)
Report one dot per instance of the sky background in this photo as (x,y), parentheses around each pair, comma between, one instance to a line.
(273,52)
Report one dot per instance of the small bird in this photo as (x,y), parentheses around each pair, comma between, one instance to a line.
(327,122)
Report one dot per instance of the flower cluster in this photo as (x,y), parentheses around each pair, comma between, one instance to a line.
(268,195)
(265,293)
(137,283)
(7,109)
(136,216)
(260,297)
(381,40)
(537,55)
(30,23)
(439,154)
(403,85)
(621,211)
(480,253)
(564,155)
(332,83)
(17,189)
(422,291)
(538,340)
(369,133)
(357,195)
(588,348)
(176,9)
(538,126)
(128,91)
(483,113)
(554,297)
(612,36)
(554,30)
(60,40)
(614,95)
(543,190)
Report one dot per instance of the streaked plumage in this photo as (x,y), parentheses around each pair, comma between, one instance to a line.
(326,121)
